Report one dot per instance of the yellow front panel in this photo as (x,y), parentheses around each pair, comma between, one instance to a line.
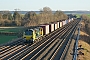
(28,37)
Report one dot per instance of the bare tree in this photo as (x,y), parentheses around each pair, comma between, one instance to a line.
(59,15)
(45,15)
(0,16)
(16,16)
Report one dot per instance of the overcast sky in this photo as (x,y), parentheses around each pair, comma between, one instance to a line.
(34,5)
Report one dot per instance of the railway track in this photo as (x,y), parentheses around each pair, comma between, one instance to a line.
(45,44)
(46,51)
(61,51)
(10,49)
(12,43)
(9,45)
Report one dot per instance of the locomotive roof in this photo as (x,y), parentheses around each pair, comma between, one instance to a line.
(33,28)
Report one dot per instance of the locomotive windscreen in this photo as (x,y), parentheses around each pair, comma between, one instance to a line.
(28,32)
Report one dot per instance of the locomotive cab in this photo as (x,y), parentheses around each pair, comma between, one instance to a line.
(29,35)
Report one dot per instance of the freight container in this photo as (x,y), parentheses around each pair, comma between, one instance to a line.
(61,24)
(58,24)
(55,26)
(45,28)
(66,21)
(69,20)
(72,18)
(51,27)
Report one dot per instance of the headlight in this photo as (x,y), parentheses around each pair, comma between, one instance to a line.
(24,38)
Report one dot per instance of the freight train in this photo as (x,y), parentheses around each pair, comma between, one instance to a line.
(32,34)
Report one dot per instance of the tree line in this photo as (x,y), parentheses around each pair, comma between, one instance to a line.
(31,18)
